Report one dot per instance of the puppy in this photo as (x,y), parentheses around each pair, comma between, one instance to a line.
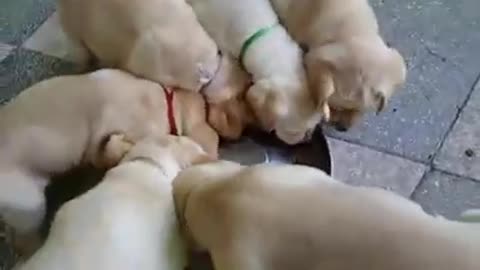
(68,121)
(228,112)
(294,217)
(344,49)
(280,96)
(160,40)
(128,221)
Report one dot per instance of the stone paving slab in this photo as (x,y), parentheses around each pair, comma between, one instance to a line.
(20,18)
(49,39)
(440,40)
(22,68)
(460,153)
(447,195)
(357,165)
(5,49)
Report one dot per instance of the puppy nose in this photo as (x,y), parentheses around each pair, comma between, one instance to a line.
(340,127)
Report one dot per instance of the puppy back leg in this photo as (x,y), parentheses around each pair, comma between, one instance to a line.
(22,206)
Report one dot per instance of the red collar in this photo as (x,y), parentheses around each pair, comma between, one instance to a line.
(169,93)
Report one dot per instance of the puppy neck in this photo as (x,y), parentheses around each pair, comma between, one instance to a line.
(275,53)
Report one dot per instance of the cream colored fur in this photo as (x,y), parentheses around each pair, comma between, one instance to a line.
(287,217)
(126,222)
(160,40)
(71,120)
(344,49)
(280,96)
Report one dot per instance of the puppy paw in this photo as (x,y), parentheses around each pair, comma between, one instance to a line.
(114,149)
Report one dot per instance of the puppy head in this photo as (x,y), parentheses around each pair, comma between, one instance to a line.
(186,188)
(365,75)
(285,107)
(230,117)
(172,152)
(228,112)
(230,81)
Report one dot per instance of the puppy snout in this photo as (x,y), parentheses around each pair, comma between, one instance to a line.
(340,127)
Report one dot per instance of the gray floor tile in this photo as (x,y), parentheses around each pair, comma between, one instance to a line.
(22,68)
(19,19)
(447,195)
(440,40)
(460,153)
(5,49)
(358,165)
(49,39)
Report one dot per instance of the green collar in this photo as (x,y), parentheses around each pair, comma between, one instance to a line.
(248,43)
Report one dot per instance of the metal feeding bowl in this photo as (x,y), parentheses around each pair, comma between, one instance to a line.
(257,147)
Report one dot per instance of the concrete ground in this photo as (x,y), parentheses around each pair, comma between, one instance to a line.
(426,146)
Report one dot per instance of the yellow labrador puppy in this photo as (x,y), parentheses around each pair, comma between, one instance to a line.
(287,217)
(279,97)
(345,47)
(160,40)
(228,112)
(68,121)
(128,221)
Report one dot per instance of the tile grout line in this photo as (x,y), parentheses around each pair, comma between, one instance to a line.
(431,163)
(469,178)
(422,180)
(455,120)
(380,150)
(40,24)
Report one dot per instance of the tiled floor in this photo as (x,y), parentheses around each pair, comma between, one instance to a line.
(426,146)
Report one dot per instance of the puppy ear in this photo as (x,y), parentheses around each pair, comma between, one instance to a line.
(225,122)
(381,102)
(321,79)
(332,54)
(267,104)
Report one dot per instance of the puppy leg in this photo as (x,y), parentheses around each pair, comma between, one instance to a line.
(324,89)
(22,204)
(205,136)
(112,150)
